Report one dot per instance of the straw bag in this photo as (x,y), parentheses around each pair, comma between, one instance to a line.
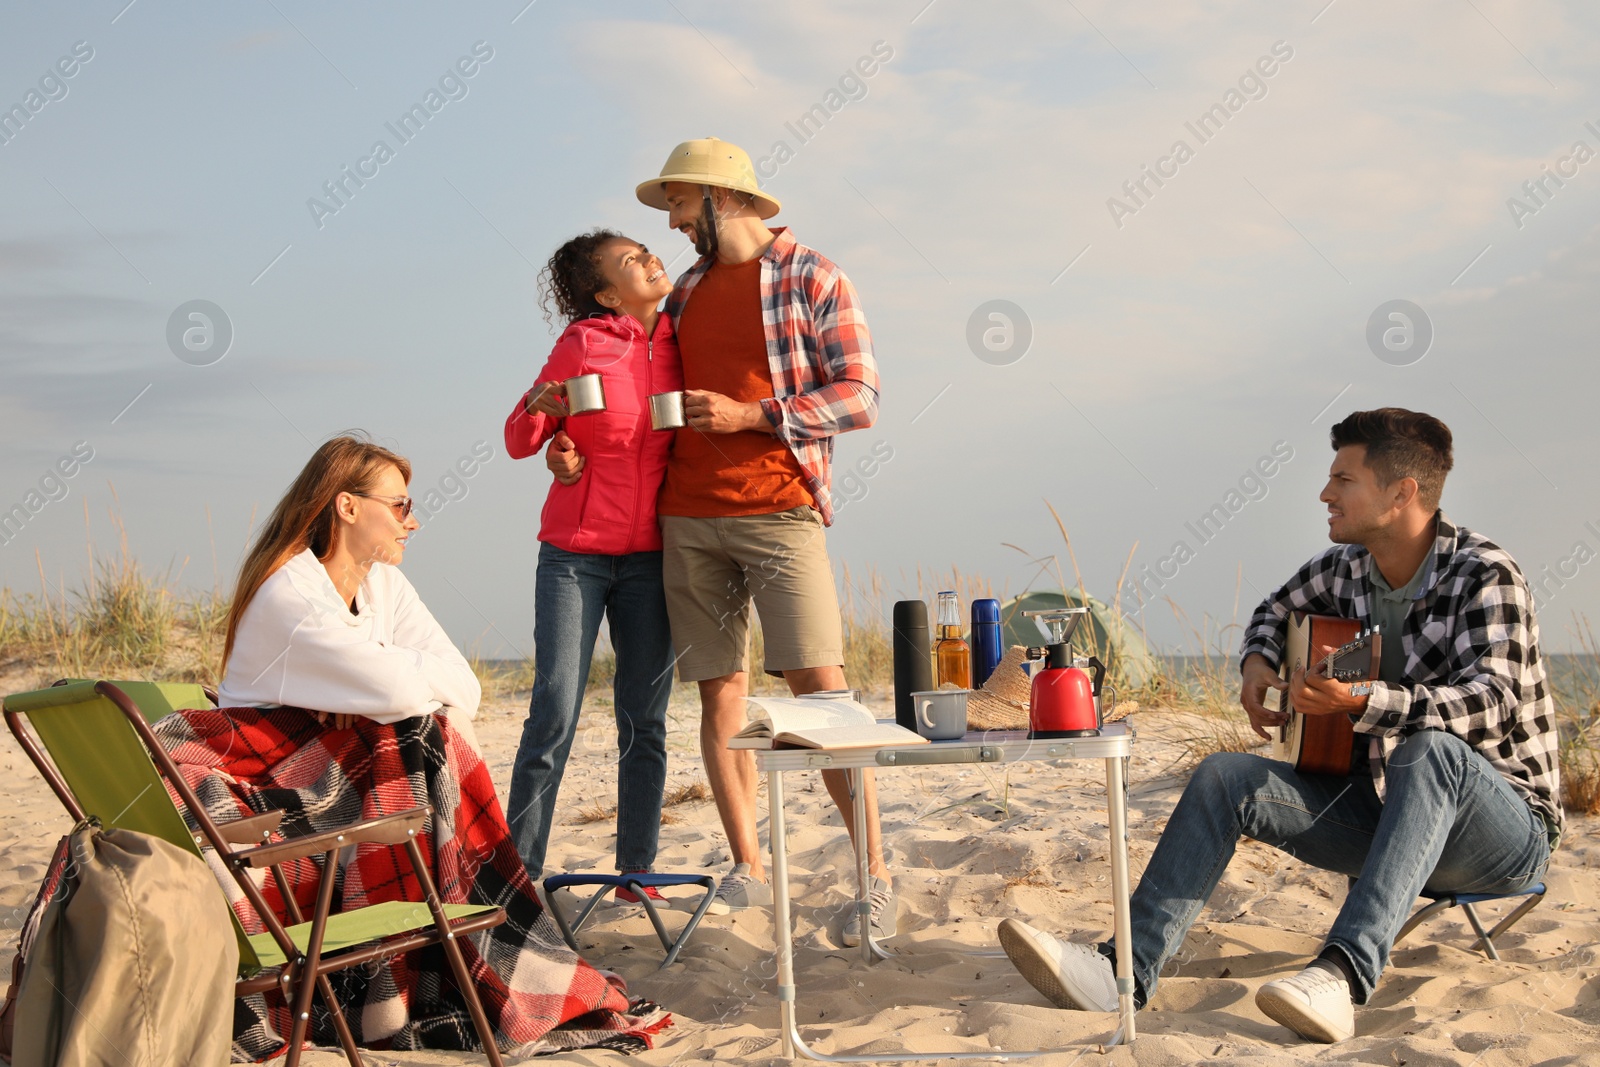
(133,963)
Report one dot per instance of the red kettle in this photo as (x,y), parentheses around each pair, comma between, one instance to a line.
(1064,701)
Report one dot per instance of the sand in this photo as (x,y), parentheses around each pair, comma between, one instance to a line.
(972,845)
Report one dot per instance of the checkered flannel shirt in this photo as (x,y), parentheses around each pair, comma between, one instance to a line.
(819,353)
(1472,660)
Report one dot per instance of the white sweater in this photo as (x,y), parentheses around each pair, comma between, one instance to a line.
(298,645)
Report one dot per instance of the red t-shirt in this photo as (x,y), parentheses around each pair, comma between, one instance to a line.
(723,346)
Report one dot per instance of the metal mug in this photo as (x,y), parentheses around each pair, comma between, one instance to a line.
(585,393)
(941,713)
(833,694)
(666,411)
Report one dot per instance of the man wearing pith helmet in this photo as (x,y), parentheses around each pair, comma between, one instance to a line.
(777,360)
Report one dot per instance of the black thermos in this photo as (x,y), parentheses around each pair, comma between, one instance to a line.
(913,658)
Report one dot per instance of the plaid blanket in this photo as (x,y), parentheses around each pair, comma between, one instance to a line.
(538,994)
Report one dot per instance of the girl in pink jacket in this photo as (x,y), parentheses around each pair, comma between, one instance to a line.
(601,547)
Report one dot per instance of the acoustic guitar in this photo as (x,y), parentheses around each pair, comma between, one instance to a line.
(1333,648)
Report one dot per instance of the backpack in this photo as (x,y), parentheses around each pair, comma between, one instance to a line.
(133,962)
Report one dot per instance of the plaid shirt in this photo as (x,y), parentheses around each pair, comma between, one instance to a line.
(819,354)
(1472,660)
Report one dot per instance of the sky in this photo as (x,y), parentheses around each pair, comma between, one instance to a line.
(1129,262)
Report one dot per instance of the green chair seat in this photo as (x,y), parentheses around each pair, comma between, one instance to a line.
(349,928)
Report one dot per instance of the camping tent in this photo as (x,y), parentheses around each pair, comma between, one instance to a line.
(1105,634)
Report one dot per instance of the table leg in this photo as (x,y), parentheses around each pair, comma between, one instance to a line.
(858,803)
(793,1044)
(1117,811)
(783,942)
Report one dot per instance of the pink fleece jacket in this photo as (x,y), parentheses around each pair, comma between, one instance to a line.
(611,509)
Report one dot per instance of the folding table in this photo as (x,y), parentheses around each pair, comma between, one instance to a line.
(1113,745)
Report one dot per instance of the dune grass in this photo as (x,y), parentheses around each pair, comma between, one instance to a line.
(1577,700)
(125,621)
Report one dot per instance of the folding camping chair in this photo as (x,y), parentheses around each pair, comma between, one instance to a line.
(1465,901)
(103,760)
(1438,902)
(635,883)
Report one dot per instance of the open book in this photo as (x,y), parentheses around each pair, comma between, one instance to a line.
(804,722)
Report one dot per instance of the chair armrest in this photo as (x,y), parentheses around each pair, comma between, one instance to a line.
(250,830)
(394,829)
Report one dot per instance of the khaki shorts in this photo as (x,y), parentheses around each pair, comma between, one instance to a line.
(713,569)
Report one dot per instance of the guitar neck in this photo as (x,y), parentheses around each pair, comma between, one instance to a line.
(1354,662)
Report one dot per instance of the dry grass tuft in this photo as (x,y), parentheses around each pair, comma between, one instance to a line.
(684,794)
(868,636)
(1577,700)
(606,812)
(1206,690)
(125,623)
(504,679)
(1580,783)
(596,813)
(687,794)
(1035,878)
(1220,735)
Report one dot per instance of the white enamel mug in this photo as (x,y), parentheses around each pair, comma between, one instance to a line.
(941,713)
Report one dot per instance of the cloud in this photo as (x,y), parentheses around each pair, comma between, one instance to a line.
(1204,328)
(22,256)
(253,41)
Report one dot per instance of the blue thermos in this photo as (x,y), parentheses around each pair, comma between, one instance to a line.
(985,640)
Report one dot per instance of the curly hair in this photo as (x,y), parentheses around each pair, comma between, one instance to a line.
(1401,444)
(569,281)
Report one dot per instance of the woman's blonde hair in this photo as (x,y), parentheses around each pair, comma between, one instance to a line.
(304,518)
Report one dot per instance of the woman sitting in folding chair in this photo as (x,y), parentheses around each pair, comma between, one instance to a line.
(342,698)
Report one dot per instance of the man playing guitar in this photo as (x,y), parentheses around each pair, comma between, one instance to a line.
(1456,782)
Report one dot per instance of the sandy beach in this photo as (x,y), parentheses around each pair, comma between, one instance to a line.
(971,846)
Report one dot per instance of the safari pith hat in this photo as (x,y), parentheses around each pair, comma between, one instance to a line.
(708,161)
(1002,702)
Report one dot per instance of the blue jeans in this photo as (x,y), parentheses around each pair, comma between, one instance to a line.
(1450,822)
(571,592)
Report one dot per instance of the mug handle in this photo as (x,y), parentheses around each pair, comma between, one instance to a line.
(1102,705)
(923,704)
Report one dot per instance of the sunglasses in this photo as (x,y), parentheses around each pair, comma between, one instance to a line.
(402,505)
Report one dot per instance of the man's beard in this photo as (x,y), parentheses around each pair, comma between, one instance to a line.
(1355,533)
(705,235)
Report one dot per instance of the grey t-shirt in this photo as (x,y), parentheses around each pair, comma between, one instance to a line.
(1389,610)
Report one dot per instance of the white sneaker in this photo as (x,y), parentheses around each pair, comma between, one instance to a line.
(1314,1004)
(1069,975)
